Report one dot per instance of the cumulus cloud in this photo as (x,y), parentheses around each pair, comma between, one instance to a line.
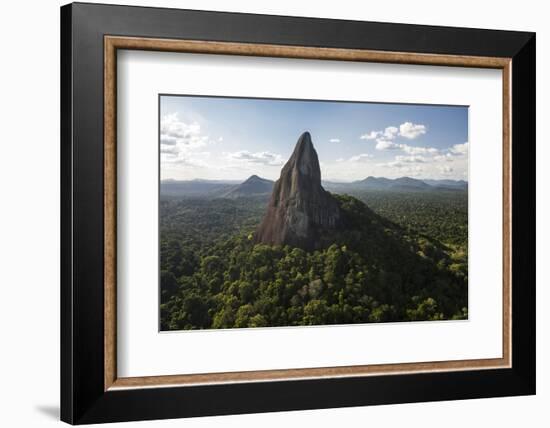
(264,158)
(363,157)
(459,149)
(181,143)
(447,157)
(412,150)
(411,130)
(173,131)
(387,134)
(411,159)
(426,162)
(373,135)
(334,140)
(386,145)
(390,132)
(407,130)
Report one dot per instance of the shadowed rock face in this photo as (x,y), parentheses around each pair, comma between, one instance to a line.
(299,209)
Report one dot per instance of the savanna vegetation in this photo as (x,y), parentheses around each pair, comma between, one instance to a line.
(401,257)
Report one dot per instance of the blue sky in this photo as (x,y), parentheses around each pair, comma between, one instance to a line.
(233,138)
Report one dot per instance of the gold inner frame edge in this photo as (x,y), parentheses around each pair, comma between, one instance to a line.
(113,43)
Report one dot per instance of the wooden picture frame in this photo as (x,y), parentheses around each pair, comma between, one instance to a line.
(91,390)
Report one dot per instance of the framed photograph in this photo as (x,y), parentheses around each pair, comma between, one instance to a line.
(266,213)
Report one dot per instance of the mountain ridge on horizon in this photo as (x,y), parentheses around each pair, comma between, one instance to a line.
(259,186)
(330,180)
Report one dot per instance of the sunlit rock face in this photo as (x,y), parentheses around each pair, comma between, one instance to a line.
(299,210)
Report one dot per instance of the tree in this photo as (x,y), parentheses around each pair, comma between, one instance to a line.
(316,312)
(426,310)
(168,285)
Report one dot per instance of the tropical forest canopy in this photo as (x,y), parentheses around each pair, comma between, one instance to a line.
(401,257)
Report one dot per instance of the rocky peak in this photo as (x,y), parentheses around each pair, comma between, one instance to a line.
(304,159)
(299,209)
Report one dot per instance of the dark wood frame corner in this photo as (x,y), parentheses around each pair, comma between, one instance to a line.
(90,389)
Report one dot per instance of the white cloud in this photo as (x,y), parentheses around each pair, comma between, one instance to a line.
(447,157)
(363,157)
(411,150)
(445,169)
(426,162)
(340,160)
(176,132)
(176,158)
(414,171)
(403,167)
(459,149)
(386,145)
(170,150)
(407,130)
(411,130)
(390,132)
(371,135)
(393,164)
(334,140)
(418,150)
(180,142)
(264,158)
(387,134)
(411,159)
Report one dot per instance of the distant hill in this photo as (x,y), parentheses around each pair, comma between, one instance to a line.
(255,186)
(193,188)
(401,184)
(252,186)
(374,183)
(450,184)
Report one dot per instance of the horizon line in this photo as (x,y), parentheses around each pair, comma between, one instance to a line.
(336,181)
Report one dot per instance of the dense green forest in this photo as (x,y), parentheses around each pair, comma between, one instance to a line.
(402,257)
